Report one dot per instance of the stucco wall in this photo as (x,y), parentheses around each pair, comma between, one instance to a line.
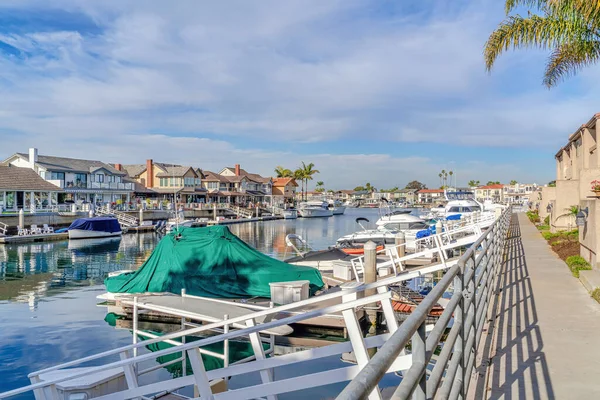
(548,196)
(589,235)
(567,195)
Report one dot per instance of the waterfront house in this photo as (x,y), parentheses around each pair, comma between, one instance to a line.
(23,188)
(284,189)
(257,188)
(81,180)
(493,193)
(430,196)
(222,190)
(167,180)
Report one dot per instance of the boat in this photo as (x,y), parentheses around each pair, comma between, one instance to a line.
(96,227)
(462,204)
(370,203)
(290,213)
(209,262)
(337,207)
(356,248)
(314,209)
(322,260)
(382,237)
(179,221)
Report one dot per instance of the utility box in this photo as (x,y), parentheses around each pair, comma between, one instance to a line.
(343,270)
(85,387)
(289,292)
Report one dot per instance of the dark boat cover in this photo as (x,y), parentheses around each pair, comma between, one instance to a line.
(97,224)
(210,262)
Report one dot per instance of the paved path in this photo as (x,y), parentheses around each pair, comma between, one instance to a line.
(546,344)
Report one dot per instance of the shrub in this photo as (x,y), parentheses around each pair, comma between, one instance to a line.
(576,264)
(533,216)
(547,220)
(543,227)
(596,294)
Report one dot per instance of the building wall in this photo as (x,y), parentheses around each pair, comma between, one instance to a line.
(567,195)
(548,196)
(589,235)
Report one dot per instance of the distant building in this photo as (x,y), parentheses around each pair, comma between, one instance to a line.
(429,196)
(493,193)
(81,180)
(519,193)
(256,187)
(284,189)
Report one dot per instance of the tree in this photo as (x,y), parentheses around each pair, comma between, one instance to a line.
(492,183)
(441,182)
(359,189)
(283,172)
(450,173)
(415,185)
(570,28)
(370,188)
(320,187)
(307,172)
(552,184)
(513,182)
(299,176)
(473,183)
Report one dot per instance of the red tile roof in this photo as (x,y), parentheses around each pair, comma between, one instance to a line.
(491,187)
(431,191)
(284,182)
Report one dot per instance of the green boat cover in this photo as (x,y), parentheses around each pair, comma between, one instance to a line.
(210,262)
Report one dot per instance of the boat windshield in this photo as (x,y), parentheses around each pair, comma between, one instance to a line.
(465,209)
(460,195)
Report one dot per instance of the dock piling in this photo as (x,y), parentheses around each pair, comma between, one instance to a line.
(370,276)
(401,244)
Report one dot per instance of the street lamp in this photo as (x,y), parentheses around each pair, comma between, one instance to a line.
(581,217)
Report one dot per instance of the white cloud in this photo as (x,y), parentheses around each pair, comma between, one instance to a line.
(288,72)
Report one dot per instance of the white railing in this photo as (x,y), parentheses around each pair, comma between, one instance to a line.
(123,218)
(439,245)
(3,229)
(110,185)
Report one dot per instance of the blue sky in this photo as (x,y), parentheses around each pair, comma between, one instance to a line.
(384,92)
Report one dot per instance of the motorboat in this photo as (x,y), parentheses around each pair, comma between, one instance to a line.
(382,237)
(370,203)
(96,227)
(337,207)
(179,221)
(314,209)
(290,213)
(459,202)
(320,259)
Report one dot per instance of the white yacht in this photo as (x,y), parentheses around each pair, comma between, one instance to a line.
(337,207)
(322,260)
(290,213)
(314,209)
(354,241)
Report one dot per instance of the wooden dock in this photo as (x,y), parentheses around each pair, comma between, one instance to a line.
(45,237)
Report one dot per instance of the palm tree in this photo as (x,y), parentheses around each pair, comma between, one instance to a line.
(320,186)
(513,182)
(450,173)
(299,176)
(308,172)
(440,175)
(283,172)
(570,28)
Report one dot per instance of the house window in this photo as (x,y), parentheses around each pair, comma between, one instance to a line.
(189,181)
(100,178)
(57,176)
(80,179)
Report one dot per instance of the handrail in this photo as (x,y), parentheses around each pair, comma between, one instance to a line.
(472,295)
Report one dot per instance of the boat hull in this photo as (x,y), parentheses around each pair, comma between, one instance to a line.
(315,213)
(84,234)
(339,210)
(290,214)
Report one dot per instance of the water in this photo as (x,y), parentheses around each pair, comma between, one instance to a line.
(48,305)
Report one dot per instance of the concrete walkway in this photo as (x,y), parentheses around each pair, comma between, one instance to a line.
(545,343)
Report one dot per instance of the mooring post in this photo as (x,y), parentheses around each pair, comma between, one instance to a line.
(371,277)
(438,227)
(401,244)
(215,211)
(141,215)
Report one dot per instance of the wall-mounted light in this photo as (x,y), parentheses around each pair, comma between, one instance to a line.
(549,208)
(582,217)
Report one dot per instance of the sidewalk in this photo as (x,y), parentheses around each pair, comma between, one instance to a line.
(546,340)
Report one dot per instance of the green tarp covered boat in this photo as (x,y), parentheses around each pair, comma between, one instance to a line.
(210,262)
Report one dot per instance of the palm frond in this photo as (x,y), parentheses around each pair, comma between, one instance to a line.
(567,59)
(542,32)
(512,4)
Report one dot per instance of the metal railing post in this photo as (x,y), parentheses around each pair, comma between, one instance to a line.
(418,358)
(460,340)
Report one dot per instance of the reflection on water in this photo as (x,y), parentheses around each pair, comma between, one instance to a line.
(31,271)
(320,233)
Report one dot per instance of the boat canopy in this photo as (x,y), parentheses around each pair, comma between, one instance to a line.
(210,262)
(97,224)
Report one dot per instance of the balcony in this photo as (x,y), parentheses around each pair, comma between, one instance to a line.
(95,185)
(57,182)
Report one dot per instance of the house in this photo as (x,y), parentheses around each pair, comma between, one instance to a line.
(81,180)
(408,196)
(167,180)
(429,196)
(493,193)
(519,193)
(256,187)
(23,188)
(284,189)
(222,189)
(577,166)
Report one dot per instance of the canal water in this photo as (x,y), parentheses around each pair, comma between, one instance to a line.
(48,307)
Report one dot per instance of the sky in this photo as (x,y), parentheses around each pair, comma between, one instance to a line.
(384,92)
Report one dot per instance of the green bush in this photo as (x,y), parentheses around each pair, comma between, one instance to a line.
(533,216)
(543,227)
(566,235)
(547,220)
(596,294)
(576,264)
